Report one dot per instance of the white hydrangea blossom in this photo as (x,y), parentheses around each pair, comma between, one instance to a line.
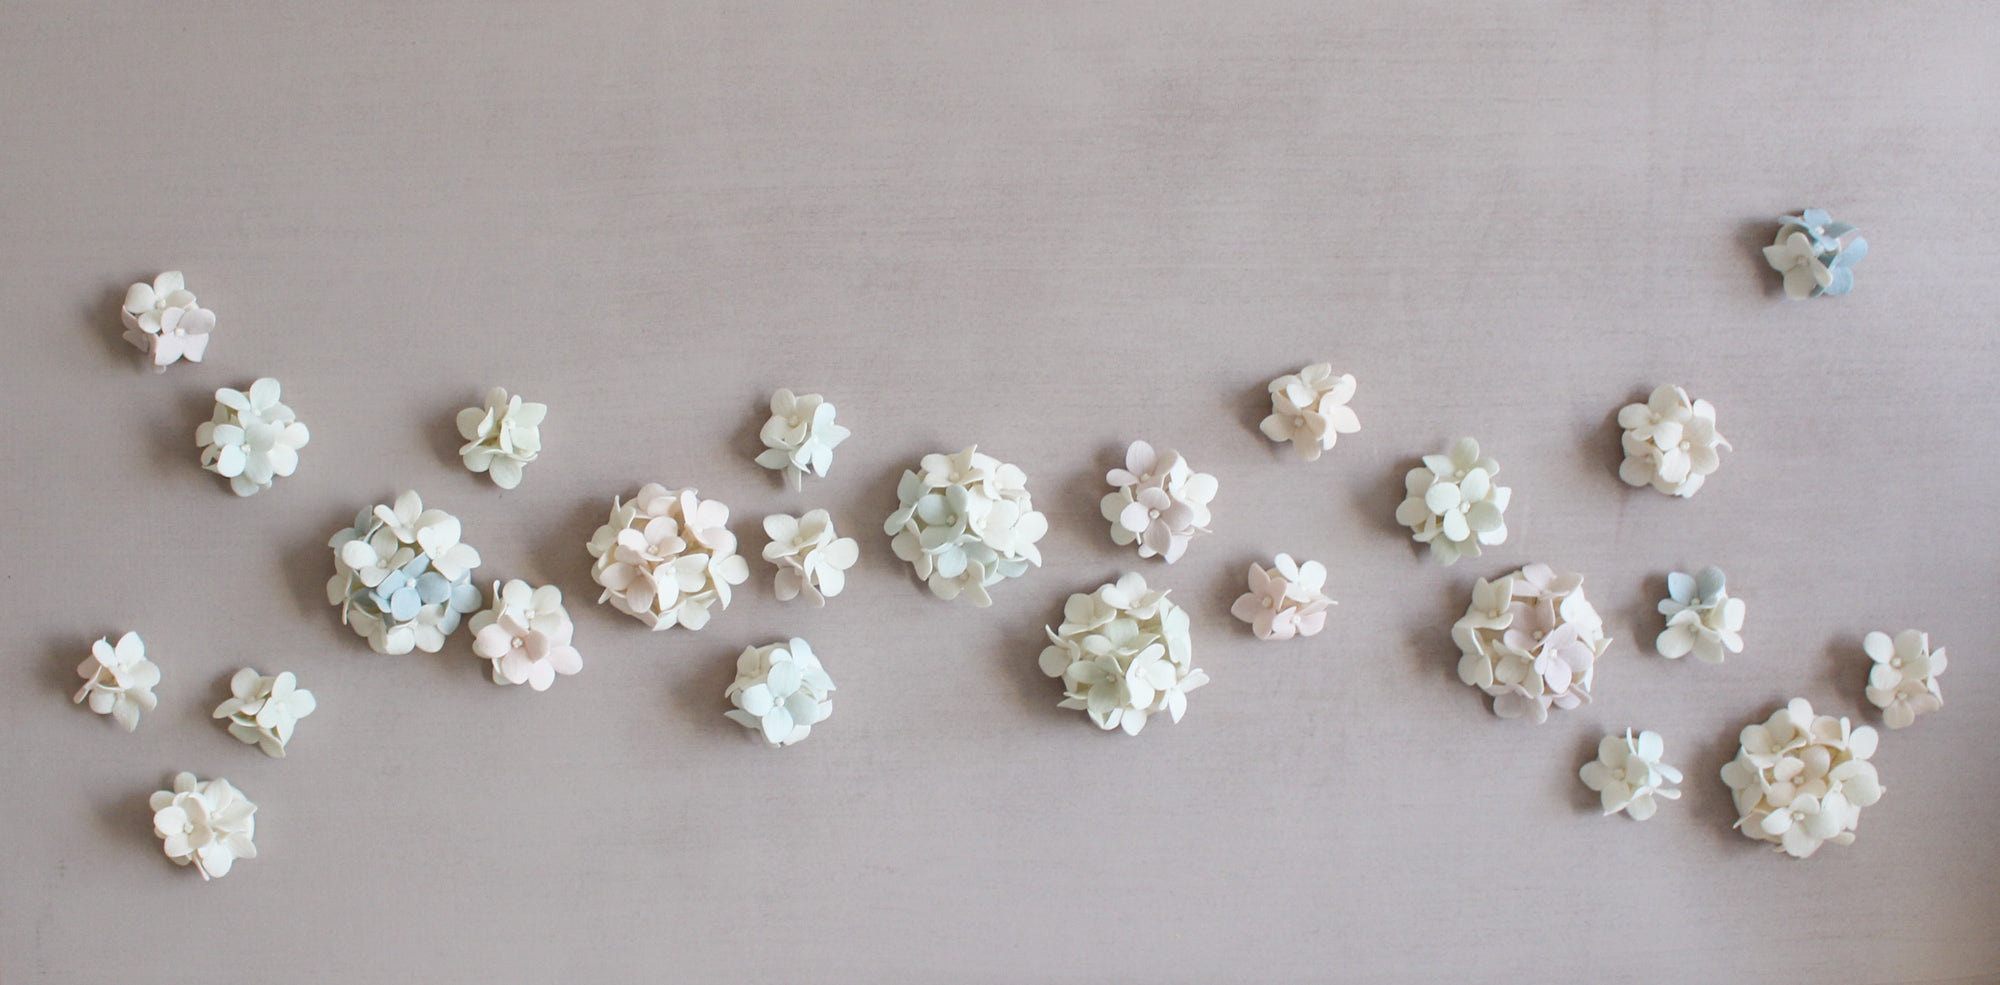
(1629,776)
(1123,654)
(162,320)
(1670,442)
(781,690)
(1309,409)
(118,680)
(1903,682)
(1452,503)
(526,634)
(1531,641)
(1157,501)
(401,577)
(205,823)
(1702,618)
(502,437)
(666,557)
(1800,780)
(264,711)
(252,439)
(965,523)
(811,558)
(800,437)
(1284,600)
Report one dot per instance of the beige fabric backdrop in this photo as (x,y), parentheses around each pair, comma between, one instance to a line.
(1047,228)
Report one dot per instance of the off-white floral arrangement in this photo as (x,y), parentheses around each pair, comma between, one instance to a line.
(1123,655)
(812,559)
(1285,600)
(163,321)
(1309,409)
(1531,641)
(1702,617)
(1157,501)
(252,439)
(1629,776)
(799,437)
(1800,780)
(264,711)
(1903,682)
(205,823)
(526,634)
(1452,503)
(1670,442)
(781,690)
(401,576)
(666,557)
(118,680)
(965,523)
(502,437)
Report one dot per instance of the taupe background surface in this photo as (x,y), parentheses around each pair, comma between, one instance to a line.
(1049,229)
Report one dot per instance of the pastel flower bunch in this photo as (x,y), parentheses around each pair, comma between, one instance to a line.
(1158,501)
(667,557)
(965,523)
(205,823)
(1452,503)
(1670,442)
(1123,655)
(1285,600)
(1531,641)
(1800,780)
(799,437)
(502,437)
(526,634)
(812,559)
(1816,254)
(781,690)
(1629,776)
(118,680)
(402,578)
(163,320)
(1903,682)
(1702,618)
(264,711)
(252,439)
(1309,409)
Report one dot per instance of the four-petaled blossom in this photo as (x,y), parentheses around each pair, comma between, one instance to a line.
(781,690)
(1903,682)
(118,680)
(526,634)
(1670,442)
(1452,503)
(1309,409)
(1702,618)
(502,437)
(163,320)
(206,823)
(1531,641)
(812,559)
(402,578)
(1800,780)
(1816,254)
(263,711)
(1628,774)
(1158,501)
(252,438)
(1284,600)
(799,437)
(666,557)
(965,523)
(1123,654)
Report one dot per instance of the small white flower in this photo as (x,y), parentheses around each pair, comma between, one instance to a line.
(667,557)
(1816,254)
(1531,641)
(1702,618)
(206,823)
(1452,503)
(118,680)
(1800,780)
(163,320)
(781,690)
(1123,654)
(1309,409)
(402,578)
(1793,255)
(1670,442)
(1629,776)
(965,522)
(1284,600)
(800,437)
(501,437)
(1903,682)
(252,439)
(526,634)
(812,559)
(264,711)
(1157,501)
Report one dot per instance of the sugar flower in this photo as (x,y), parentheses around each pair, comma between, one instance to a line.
(501,437)
(781,690)
(1701,617)
(800,437)
(666,557)
(252,439)
(163,320)
(1452,503)
(263,711)
(206,823)
(1628,774)
(118,680)
(965,523)
(1670,442)
(1284,600)
(526,634)
(812,559)
(1123,655)
(401,577)
(1903,682)
(1158,501)
(1309,409)
(1816,255)
(1800,780)
(1531,641)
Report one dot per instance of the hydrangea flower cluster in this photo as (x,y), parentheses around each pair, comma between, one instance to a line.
(812,559)
(1903,682)
(526,634)
(502,437)
(1801,780)
(1531,640)
(965,523)
(1628,774)
(1816,254)
(264,711)
(1158,501)
(252,439)
(1309,409)
(666,557)
(1670,442)
(1285,600)
(800,437)
(118,680)
(1702,618)
(401,577)
(206,823)
(163,321)
(781,690)
(1452,503)
(1123,654)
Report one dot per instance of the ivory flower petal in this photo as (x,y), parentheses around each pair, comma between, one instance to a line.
(965,522)
(1670,442)
(1452,503)
(800,437)
(1157,501)
(781,690)
(1800,780)
(163,320)
(252,439)
(502,437)
(1123,654)
(118,680)
(1309,409)
(205,823)
(1629,776)
(1531,641)
(667,557)
(1903,682)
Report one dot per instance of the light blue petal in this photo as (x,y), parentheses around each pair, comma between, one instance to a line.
(433,588)
(1843,281)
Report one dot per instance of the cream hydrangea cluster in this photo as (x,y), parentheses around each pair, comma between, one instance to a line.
(205,823)
(502,437)
(1800,780)
(811,558)
(1285,600)
(1452,503)
(1702,618)
(401,576)
(799,437)
(1123,654)
(526,634)
(1531,641)
(163,320)
(1309,409)
(264,711)
(1903,682)
(252,439)
(1629,776)
(1158,501)
(781,690)
(118,680)
(965,523)
(1670,442)
(666,557)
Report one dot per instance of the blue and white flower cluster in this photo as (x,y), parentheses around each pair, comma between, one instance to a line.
(1816,254)
(402,578)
